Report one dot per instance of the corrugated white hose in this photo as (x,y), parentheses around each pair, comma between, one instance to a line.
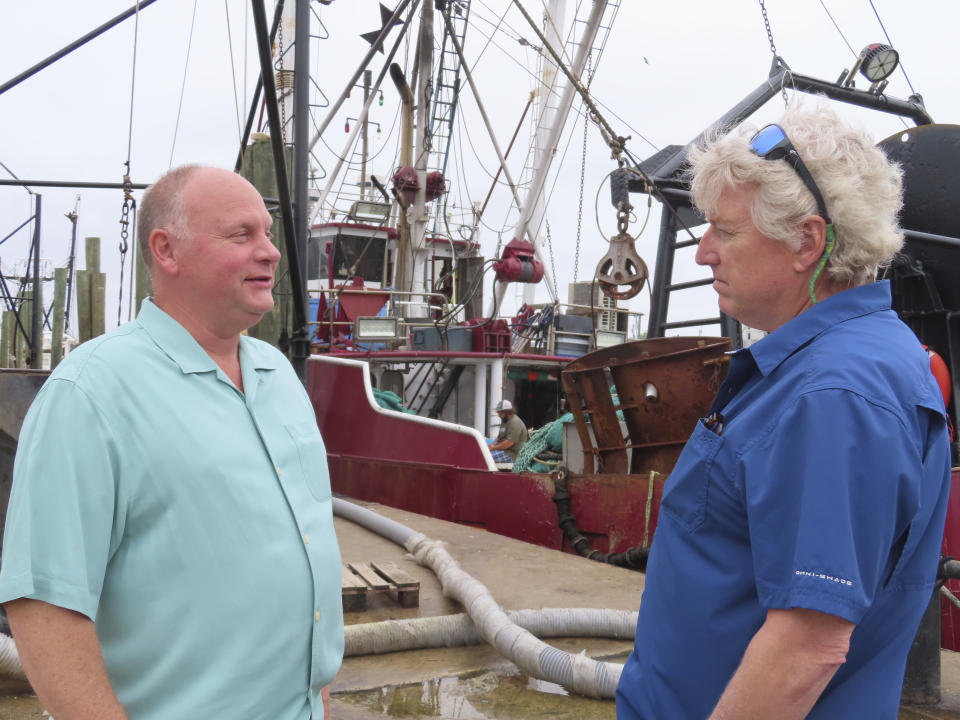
(10,659)
(578,673)
(456,630)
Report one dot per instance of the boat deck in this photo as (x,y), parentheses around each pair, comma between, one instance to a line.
(479,682)
(476,682)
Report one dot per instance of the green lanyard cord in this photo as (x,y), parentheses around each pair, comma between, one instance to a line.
(827,251)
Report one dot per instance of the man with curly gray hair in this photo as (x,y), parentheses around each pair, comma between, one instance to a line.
(799,533)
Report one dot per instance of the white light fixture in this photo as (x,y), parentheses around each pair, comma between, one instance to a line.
(608,338)
(375,328)
(366,211)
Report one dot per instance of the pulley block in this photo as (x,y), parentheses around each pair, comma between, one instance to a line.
(621,266)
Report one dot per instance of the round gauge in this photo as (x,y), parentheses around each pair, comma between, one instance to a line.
(878,62)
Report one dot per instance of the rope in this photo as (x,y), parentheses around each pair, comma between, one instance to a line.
(646,512)
(949,595)
(553,265)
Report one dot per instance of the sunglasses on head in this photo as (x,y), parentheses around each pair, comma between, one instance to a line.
(772,143)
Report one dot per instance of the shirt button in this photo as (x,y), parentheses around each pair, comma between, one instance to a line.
(306,539)
(316,616)
(279,472)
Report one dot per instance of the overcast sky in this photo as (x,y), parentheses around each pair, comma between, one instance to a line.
(668,71)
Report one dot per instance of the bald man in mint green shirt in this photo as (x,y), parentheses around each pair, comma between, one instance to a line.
(171,506)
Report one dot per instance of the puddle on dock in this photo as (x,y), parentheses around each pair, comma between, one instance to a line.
(480,697)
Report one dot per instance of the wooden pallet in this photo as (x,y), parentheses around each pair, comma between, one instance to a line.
(360,579)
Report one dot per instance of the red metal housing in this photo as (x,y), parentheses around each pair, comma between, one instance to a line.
(518,263)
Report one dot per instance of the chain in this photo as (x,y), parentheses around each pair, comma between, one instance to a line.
(773,47)
(124,230)
(583,168)
(623,220)
(278,66)
(553,266)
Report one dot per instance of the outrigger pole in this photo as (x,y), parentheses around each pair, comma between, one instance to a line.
(74,45)
(563,109)
(300,344)
(277,14)
(318,208)
(374,46)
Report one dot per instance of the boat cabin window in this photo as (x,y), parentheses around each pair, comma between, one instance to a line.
(347,249)
(318,250)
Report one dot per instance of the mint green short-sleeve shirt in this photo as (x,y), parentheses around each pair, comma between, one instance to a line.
(192,522)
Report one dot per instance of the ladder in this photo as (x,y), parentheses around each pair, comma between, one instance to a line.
(677,225)
(447,90)
(548,99)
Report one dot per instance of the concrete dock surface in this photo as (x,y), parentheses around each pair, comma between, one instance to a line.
(476,682)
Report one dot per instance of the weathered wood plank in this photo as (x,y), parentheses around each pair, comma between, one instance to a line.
(392,573)
(403,588)
(369,575)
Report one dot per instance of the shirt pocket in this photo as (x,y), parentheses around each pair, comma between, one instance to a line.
(313,457)
(686,489)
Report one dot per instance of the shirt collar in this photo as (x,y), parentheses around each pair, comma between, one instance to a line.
(184,350)
(771,351)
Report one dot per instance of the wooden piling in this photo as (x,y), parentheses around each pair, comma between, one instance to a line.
(6,338)
(259,169)
(91,287)
(93,254)
(23,341)
(82,283)
(59,302)
(98,298)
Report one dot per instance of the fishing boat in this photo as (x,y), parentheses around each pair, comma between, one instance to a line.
(387,273)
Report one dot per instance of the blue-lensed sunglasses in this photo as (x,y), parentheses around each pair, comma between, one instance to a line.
(772,143)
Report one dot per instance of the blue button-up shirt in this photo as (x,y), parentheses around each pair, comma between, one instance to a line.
(820,482)
(191,521)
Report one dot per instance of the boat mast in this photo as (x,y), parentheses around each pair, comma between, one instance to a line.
(563,109)
(300,349)
(417,214)
(554,19)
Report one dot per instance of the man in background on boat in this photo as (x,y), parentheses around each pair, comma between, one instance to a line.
(799,533)
(512,435)
(169,548)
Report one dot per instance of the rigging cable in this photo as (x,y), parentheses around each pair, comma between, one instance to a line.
(233,73)
(606,108)
(887,36)
(183,85)
(824,5)
(128,201)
